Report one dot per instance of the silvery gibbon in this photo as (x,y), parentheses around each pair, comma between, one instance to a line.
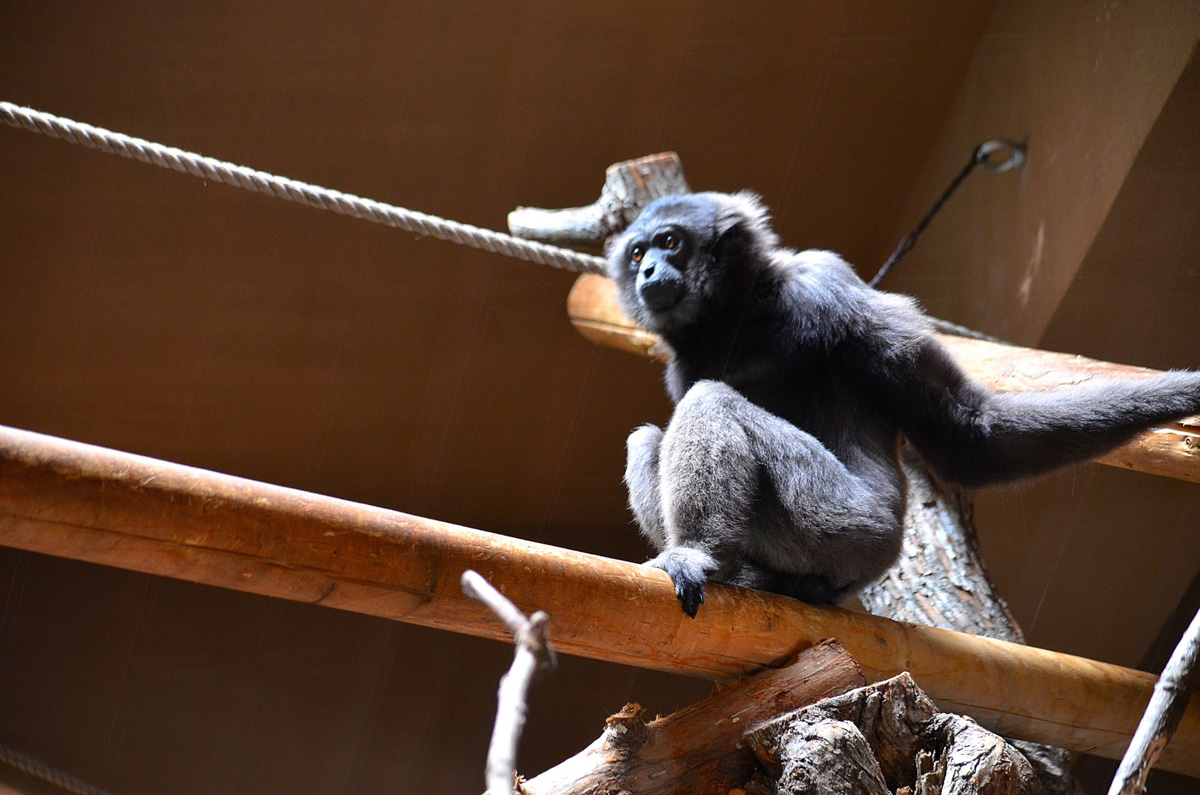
(793,381)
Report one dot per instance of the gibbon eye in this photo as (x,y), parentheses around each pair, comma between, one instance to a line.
(671,242)
(636,253)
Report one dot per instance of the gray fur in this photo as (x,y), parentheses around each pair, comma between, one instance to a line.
(793,381)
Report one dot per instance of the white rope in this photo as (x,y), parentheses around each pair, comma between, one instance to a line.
(39,769)
(293,190)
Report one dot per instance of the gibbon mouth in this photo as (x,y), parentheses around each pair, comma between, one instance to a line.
(659,295)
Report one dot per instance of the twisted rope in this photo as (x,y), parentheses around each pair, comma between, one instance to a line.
(295,191)
(39,769)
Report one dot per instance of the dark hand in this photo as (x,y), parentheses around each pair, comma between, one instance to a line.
(688,568)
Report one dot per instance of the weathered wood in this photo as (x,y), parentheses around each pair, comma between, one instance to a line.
(886,737)
(828,757)
(699,750)
(1170,699)
(533,653)
(940,581)
(628,187)
(87,503)
(1171,450)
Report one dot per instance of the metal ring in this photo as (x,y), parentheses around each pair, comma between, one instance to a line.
(1015,159)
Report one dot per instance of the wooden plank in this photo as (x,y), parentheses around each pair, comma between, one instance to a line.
(88,503)
(1171,450)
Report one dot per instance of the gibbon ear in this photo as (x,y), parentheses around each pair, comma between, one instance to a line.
(743,216)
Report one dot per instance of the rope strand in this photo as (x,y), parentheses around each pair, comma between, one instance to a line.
(370,210)
(293,190)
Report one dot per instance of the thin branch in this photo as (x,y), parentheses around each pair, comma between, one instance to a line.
(533,652)
(1163,713)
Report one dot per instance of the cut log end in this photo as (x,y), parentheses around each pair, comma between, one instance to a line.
(628,187)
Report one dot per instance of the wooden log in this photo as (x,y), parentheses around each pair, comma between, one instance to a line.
(699,749)
(939,581)
(887,737)
(87,503)
(628,187)
(1171,450)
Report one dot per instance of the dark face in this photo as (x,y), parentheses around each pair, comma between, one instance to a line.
(661,263)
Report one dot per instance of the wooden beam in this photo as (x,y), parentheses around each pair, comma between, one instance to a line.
(1171,450)
(88,503)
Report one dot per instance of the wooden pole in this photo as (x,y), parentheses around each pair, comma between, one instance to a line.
(88,503)
(1171,450)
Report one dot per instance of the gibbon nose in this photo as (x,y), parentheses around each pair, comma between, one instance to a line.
(659,287)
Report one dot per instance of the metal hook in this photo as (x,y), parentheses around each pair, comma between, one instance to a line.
(1015,159)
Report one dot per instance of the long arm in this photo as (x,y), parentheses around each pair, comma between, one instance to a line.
(973,436)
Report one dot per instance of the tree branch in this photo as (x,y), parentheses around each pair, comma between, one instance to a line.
(1172,693)
(628,187)
(533,653)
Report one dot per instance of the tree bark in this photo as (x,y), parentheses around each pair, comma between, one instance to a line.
(699,750)
(884,738)
(628,187)
(940,581)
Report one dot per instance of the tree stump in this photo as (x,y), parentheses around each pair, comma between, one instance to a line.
(701,749)
(884,738)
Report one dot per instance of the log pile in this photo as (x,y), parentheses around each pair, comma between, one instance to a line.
(809,728)
(702,748)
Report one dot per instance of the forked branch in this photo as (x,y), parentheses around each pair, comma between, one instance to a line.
(533,653)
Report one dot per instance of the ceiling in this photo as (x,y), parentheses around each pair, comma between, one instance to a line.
(152,312)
